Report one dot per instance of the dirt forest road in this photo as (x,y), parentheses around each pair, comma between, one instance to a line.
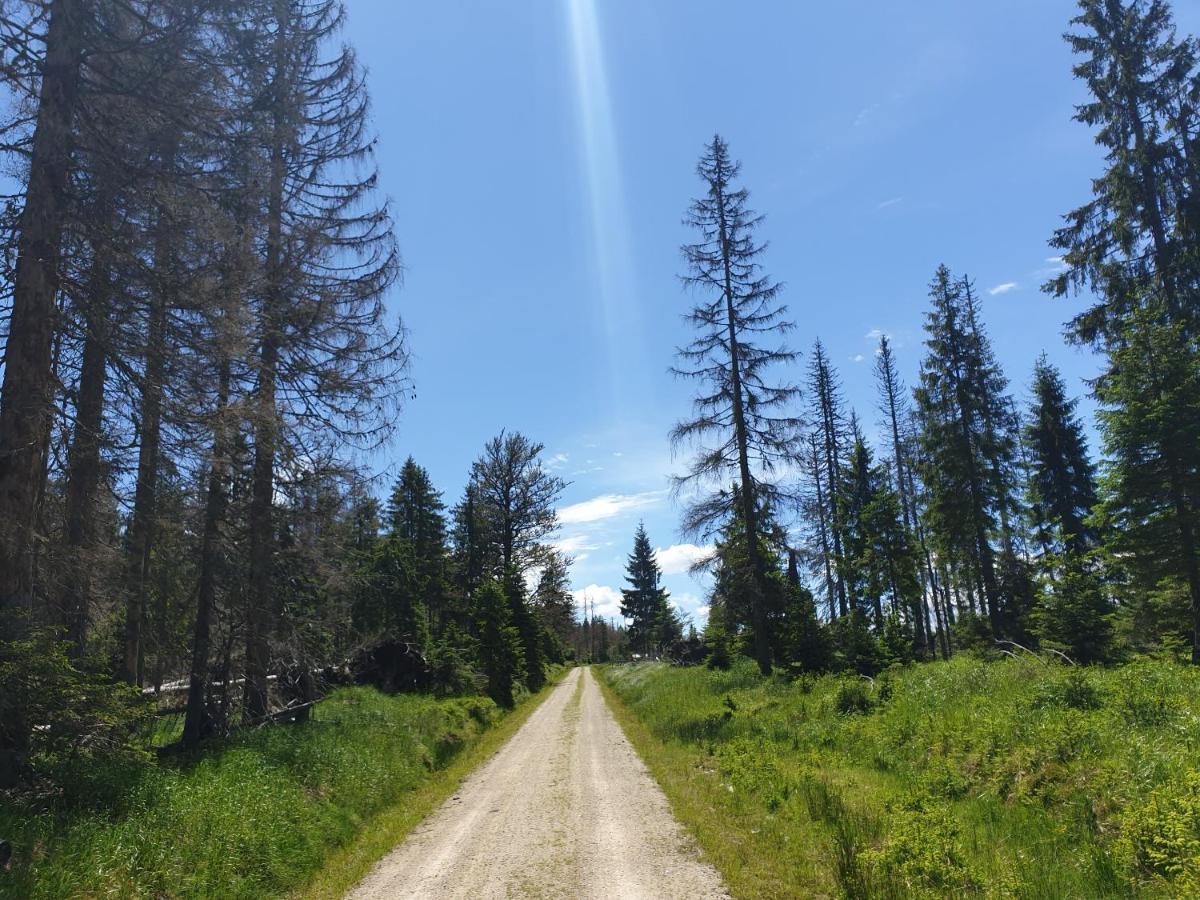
(565,809)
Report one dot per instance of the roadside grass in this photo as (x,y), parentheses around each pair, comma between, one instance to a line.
(262,814)
(967,778)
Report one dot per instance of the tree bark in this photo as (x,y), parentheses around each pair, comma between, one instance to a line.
(262,492)
(142,525)
(197,722)
(26,396)
(83,474)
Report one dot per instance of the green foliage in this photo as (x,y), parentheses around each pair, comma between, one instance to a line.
(967,438)
(255,818)
(923,854)
(853,696)
(71,711)
(452,664)
(1018,777)
(1134,247)
(652,621)
(855,647)
(1160,838)
(1074,615)
(500,651)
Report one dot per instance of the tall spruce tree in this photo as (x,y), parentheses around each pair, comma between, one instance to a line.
(881,558)
(1063,482)
(828,409)
(897,419)
(554,603)
(1074,613)
(416,518)
(965,456)
(644,602)
(1135,246)
(744,427)
(327,363)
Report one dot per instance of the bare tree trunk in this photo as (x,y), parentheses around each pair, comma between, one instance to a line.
(83,475)
(262,491)
(26,396)
(141,533)
(197,724)
(824,529)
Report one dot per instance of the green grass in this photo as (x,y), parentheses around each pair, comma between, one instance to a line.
(272,811)
(967,778)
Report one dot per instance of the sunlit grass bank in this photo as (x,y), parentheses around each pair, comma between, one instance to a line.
(269,812)
(967,778)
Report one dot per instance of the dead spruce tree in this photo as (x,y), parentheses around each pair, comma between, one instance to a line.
(743,429)
(327,365)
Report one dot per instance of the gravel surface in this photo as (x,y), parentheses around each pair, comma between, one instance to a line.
(565,809)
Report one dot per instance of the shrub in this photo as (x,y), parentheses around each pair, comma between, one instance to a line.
(71,714)
(1161,837)
(923,854)
(852,697)
(1073,691)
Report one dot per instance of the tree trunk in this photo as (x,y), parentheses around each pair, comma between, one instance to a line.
(143,523)
(824,528)
(197,723)
(26,396)
(83,474)
(262,492)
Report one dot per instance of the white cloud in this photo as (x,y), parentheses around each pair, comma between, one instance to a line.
(606,506)
(573,544)
(1055,265)
(557,461)
(678,558)
(857,357)
(688,604)
(1003,288)
(607,600)
(875,334)
(892,202)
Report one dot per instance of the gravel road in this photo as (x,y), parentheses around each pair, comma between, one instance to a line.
(565,809)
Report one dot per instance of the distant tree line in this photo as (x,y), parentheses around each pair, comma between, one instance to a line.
(978,521)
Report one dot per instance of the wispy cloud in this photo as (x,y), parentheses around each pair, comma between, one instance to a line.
(557,461)
(679,558)
(1055,265)
(1005,288)
(895,201)
(857,358)
(607,506)
(574,544)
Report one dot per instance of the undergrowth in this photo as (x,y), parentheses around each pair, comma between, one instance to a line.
(255,816)
(968,778)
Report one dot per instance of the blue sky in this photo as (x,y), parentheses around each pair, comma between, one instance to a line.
(540,155)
